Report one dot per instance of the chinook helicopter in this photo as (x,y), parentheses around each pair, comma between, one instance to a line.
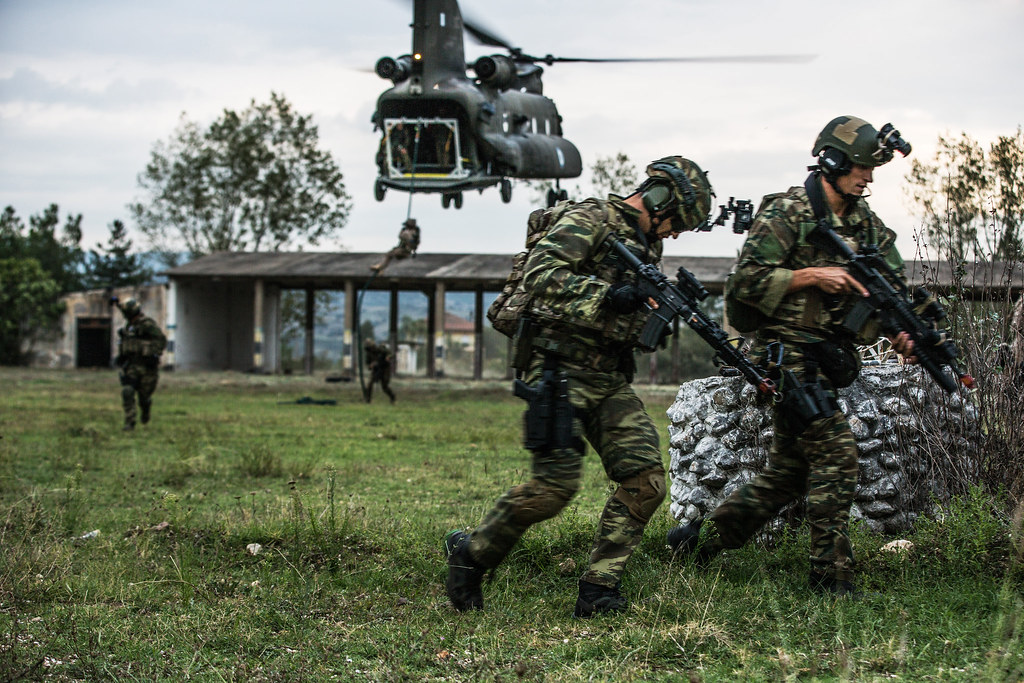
(446,132)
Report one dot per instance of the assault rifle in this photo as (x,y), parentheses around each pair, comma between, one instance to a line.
(933,348)
(680,300)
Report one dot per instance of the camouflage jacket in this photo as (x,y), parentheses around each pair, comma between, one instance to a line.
(777,245)
(140,338)
(570,270)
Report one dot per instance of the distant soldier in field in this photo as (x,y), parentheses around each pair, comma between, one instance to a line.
(378,360)
(408,243)
(139,346)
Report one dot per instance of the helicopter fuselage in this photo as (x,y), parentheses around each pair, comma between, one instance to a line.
(445,132)
(494,135)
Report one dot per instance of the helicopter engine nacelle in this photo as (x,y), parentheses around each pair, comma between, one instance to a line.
(497,71)
(395,70)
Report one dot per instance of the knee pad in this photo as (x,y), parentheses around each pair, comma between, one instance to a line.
(127,392)
(536,501)
(642,493)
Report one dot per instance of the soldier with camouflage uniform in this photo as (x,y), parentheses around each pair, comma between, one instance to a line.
(801,293)
(378,360)
(586,314)
(139,346)
(408,243)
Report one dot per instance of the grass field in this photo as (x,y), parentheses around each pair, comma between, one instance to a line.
(348,504)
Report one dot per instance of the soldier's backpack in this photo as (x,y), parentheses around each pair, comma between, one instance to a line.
(507,310)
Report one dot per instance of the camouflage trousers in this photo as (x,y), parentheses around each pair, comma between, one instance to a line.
(612,418)
(137,380)
(821,463)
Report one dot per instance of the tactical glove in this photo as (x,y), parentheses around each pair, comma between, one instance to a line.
(624,298)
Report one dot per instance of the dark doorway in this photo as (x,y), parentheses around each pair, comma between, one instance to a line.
(93,343)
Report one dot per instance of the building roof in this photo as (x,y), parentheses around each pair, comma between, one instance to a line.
(329,270)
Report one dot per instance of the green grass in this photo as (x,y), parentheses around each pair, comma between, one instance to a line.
(349,504)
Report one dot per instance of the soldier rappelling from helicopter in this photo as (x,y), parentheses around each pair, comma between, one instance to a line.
(408,243)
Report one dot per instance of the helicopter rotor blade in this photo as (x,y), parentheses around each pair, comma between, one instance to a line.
(723,59)
(484,35)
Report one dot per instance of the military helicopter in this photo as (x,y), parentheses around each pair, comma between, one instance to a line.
(446,132)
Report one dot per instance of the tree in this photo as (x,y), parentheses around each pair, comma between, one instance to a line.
(254,180)
(30,306)
(613,175)
(972,203)
(60,257)
(113,265)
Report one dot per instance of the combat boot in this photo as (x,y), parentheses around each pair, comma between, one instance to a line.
(829,585)
(144,413)
(128,427)
(686,541)
(595,599)
(464,573)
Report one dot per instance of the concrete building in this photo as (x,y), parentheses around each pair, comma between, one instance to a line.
(223,311)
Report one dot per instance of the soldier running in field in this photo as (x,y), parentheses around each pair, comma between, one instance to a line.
(801,294)
(139,346)
(586,315)
(379,361)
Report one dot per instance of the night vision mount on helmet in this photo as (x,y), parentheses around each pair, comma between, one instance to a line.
(848,140)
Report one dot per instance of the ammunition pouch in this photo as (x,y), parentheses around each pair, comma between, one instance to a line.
(837,359)
(548,421)
(604,359)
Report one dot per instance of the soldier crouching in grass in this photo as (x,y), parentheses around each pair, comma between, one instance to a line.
(577,355)
(139,346)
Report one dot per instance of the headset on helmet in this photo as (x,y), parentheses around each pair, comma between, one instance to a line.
(848,140)
(677,188)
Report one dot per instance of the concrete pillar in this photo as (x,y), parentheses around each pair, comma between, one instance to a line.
(171,310)
(439,345)
(309,323)
(347,357)
(478,333)
(393,322)
(257,326)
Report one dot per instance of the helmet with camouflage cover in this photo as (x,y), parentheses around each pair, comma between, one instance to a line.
(848,140)
(131,308)
(676,187)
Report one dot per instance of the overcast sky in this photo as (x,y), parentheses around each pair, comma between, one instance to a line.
(87,88)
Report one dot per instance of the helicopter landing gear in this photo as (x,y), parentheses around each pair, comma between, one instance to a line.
(448,199)
(555,195)
(379,190)
(506,190)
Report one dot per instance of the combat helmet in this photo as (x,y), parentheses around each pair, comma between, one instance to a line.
(848,140)
(686,197)
(131,308)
